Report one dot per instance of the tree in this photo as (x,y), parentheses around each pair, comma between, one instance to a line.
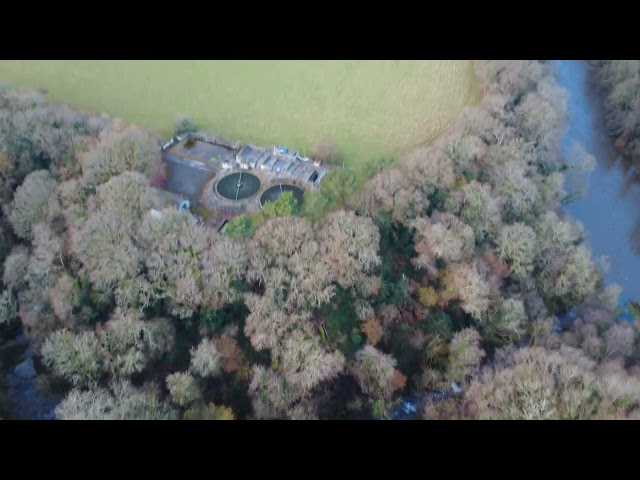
(267,324)
(372,330)
(288,261)
(271,396)
(443,236)
(517,245)
(315,204)
(231,353)
(15,268)
(132,343)
(183,388)
(479,209)
(518,191)
(76,357)
(431,170)
(374,372)
(210,412)
(305,363)
(535,383)
(8,307)
(427,296)
(465,354)
(349,244)
(240,227)
(511,316)
(390,191)
(64,297)
(578,278)
(29,205)
(121,402)
(121,151)
(205,359)
(285,204)
(105,242)
(464,282)
(339,184)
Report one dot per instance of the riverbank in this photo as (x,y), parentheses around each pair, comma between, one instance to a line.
(608,208)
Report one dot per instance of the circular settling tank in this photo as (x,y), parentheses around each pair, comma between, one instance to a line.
(273,193)
(238,186)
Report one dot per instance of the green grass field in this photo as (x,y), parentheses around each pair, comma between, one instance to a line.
(368,108)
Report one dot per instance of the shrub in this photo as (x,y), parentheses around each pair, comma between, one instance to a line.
(183,124)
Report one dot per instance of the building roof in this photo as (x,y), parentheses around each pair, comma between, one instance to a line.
(249,152)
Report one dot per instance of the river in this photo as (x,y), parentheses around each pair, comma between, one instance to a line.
(609,209)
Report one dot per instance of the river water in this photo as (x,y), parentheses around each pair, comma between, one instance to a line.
(609,209)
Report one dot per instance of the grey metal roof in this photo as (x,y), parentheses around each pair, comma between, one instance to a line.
(249,152)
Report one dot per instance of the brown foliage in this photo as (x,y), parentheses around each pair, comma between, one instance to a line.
(228,348)
(447,409)
(373,330)
(399,380)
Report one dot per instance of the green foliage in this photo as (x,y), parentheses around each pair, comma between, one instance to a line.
(8,307)
(210,412)
(372,167)
(396,249)
(183,124)
(438,198)
(341,321)
(215,320)
(201,211)
(356,337)
(243,226)
(438,323)
(378,408)
(315,204)
(338,184)
(335,188)
(240,227)
(464,354)
(5,245)
(286,204)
